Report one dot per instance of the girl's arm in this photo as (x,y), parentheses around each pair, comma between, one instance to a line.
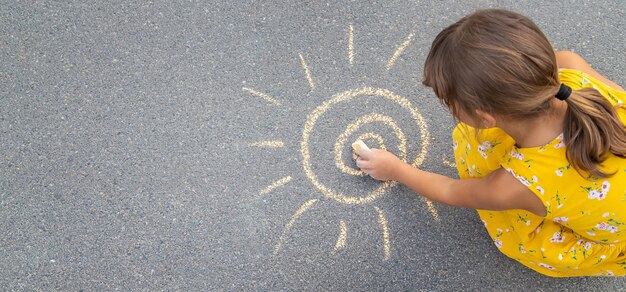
(497,191)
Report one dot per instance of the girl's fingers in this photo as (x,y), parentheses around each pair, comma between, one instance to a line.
(362,164)
(364,153)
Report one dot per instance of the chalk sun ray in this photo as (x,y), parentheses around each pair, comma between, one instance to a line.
(400,50)
(276,184)
(307,72)
(432,209)
(308,204)
(262,95)
(268,144)
(382,220)
(343,235)
(351,44)
(449,163)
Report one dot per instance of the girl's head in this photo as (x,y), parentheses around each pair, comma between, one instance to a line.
(495,61)
(499,62)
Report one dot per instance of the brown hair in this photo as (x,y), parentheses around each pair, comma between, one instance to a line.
(499,61)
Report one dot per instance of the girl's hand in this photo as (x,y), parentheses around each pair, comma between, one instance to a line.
(379,164)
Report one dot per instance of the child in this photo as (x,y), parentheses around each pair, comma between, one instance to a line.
(540,148)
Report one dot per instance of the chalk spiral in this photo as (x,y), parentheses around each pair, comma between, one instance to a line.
(353,127)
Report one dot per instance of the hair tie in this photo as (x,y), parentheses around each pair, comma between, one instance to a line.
(564,92)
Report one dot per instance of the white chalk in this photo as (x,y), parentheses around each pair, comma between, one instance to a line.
(358,145)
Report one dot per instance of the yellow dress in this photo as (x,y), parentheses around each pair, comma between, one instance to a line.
(584,232)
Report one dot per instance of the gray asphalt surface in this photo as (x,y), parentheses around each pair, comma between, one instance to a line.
(126,160)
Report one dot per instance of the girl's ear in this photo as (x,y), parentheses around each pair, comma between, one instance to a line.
(487,119)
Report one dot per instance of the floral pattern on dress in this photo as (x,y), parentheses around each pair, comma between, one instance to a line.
(487,148)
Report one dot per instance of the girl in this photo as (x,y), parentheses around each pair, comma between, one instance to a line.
(541,147)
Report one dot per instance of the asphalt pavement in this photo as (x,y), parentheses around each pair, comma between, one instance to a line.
(166,145)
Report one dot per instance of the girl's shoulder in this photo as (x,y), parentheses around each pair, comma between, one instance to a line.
(577,79)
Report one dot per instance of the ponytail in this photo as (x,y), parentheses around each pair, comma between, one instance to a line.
(592,130)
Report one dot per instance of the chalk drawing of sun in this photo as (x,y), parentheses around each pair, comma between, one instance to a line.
(351,132)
